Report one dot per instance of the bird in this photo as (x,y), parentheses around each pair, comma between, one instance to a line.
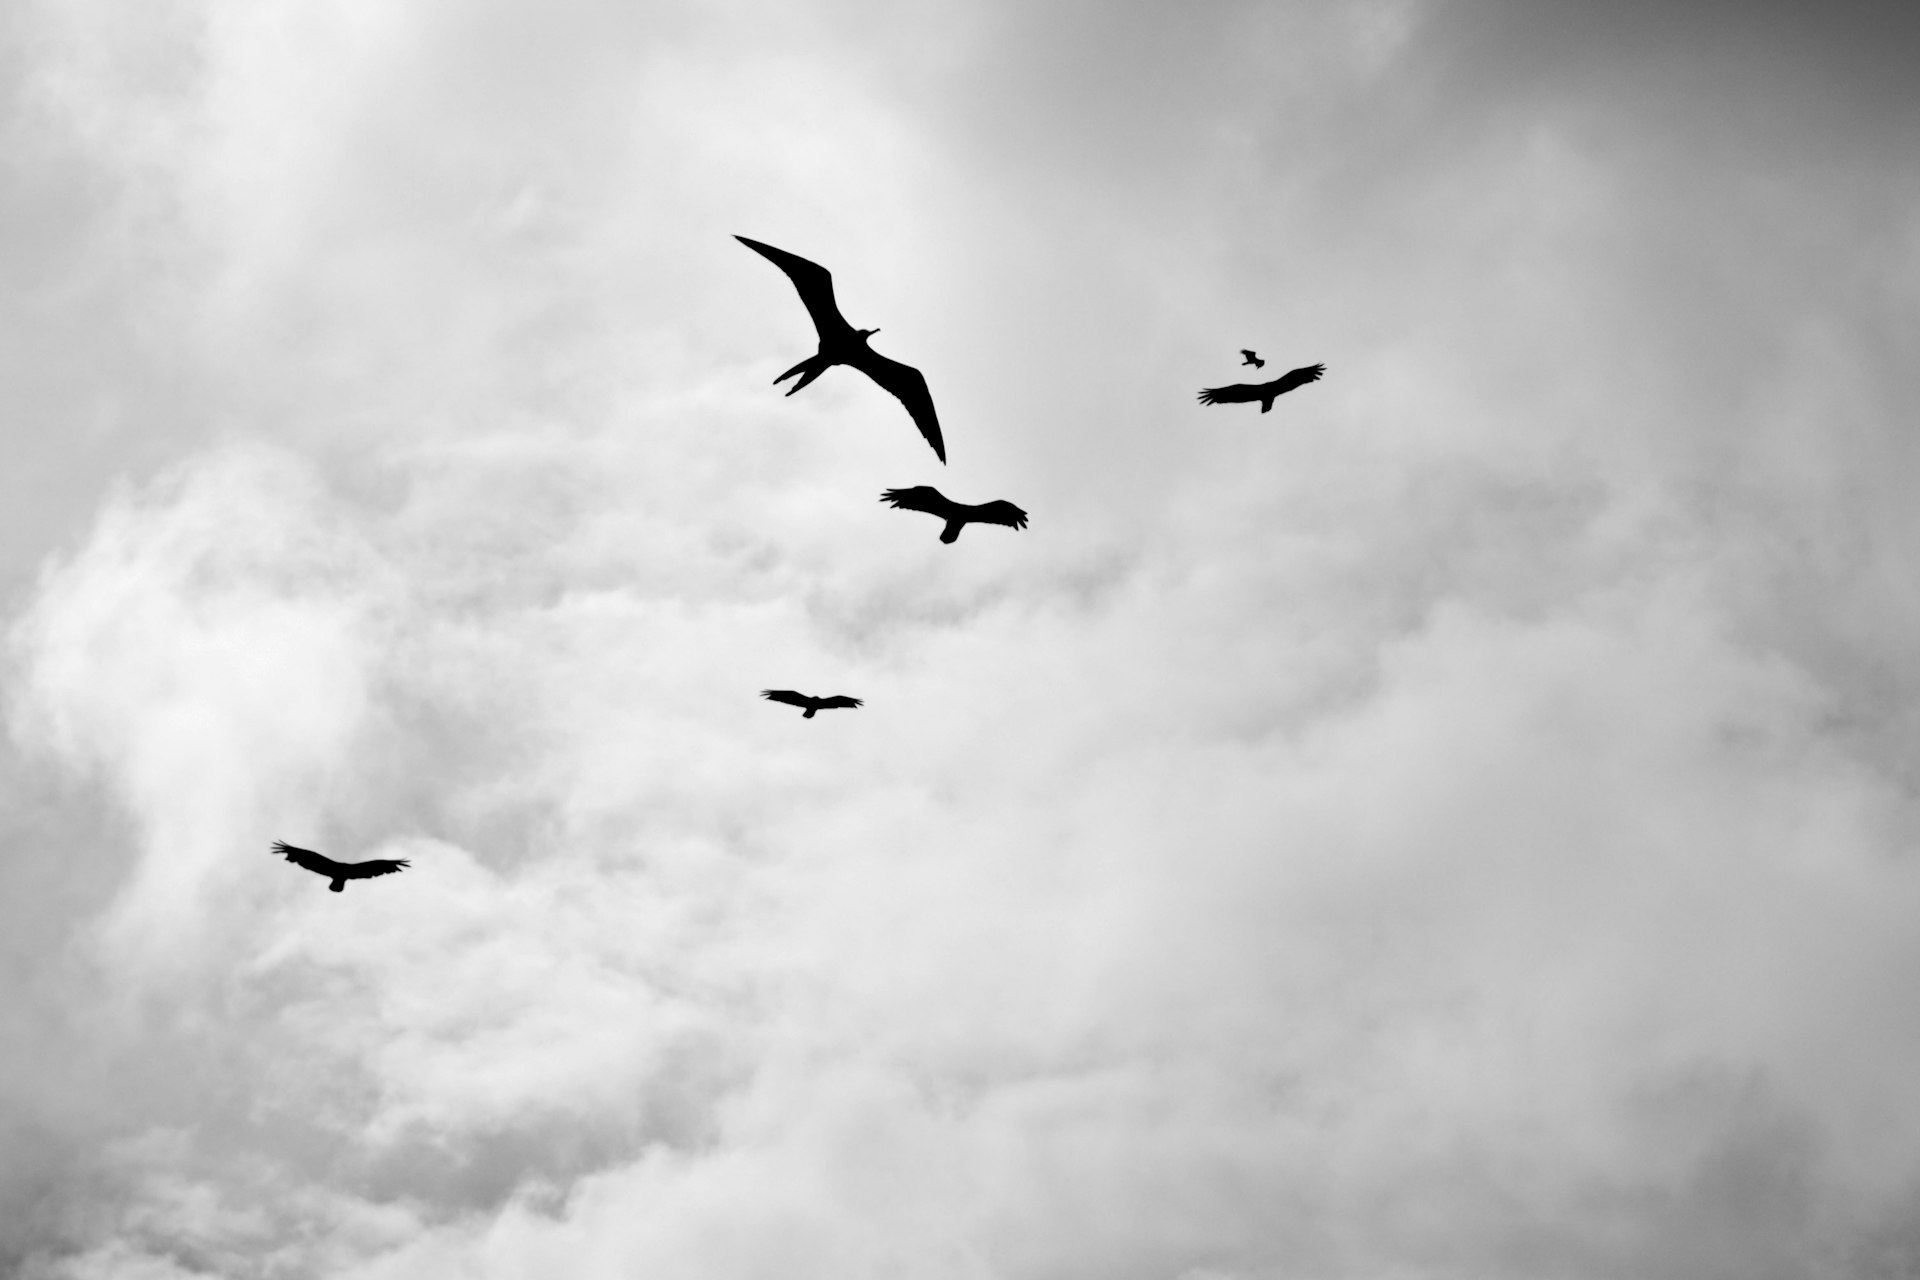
(339,872)
(812,704)
(1264,392)
(1252,359)
(841,343)
(958,515)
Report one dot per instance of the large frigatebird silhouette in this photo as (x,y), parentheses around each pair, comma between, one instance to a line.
(812,704)
(841,343)
(925,497)
(1252,359)
(339,872)
(1264,392)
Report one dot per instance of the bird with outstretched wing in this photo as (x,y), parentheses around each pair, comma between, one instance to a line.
(958,515)
(1247,357)
(812,704)
(841,343)
(339,872)
(1264,392)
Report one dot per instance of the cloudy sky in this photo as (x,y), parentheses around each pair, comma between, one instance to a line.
(1461,824)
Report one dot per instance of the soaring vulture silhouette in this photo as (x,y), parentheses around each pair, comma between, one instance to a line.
(841,343)
(339,872)
(812,704)
(1252,359)
(1264,392)
(958,515)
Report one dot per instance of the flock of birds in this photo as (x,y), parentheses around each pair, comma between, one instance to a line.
(841,343)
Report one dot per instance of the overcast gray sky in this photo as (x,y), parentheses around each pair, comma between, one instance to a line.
(1458,825)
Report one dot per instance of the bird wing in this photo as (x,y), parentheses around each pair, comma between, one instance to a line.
(906,384)
(1238,393)
(1001,512)
(922,497)
(315,862)
(839,700)
(814,284)
(787,696)
(367,870)
(1248,354)
(1298,378)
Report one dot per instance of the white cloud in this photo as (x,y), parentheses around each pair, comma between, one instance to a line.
(1415,832)
(202,653)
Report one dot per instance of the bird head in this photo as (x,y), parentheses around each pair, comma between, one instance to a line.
(866,333)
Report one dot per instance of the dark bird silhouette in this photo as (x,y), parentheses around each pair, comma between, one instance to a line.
(339,872)
(812,704)
(1252,359)
(958,515)
(1264,392)
(841,343)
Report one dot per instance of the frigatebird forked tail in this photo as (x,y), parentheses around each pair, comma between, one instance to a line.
(841,343)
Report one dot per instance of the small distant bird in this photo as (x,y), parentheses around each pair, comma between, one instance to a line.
(339,872)
(1264,392)
(812,704)
(958,515)
(841,343)
(1252,359)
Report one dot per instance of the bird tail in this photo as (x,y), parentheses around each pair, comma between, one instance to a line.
(1266,404)
(809,369)
(338,886)
(952,532)
(808,713)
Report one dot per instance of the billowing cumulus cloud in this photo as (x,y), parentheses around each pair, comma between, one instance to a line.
(1456,824)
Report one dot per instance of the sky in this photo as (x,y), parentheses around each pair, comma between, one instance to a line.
(1460,824)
